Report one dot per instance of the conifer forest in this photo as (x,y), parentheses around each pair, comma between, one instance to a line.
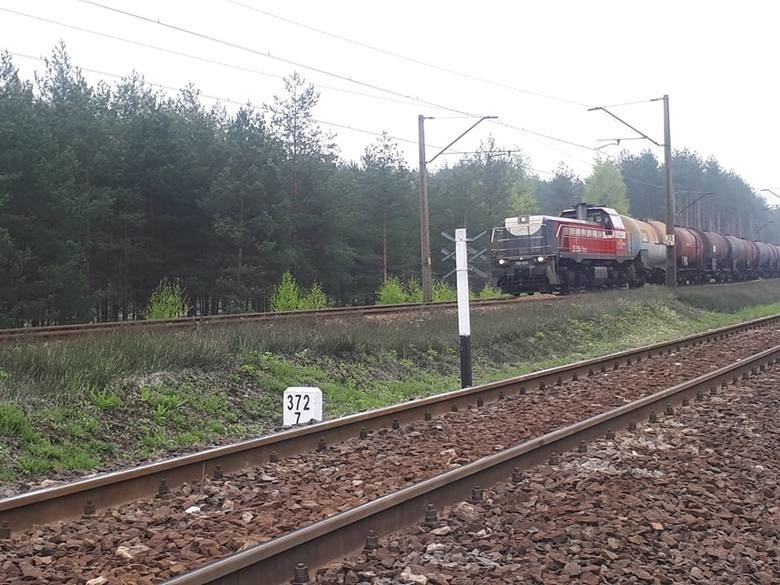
(107,189)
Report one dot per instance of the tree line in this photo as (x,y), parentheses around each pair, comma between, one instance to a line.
(105,190)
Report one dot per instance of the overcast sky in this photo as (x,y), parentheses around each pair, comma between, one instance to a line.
(717,61)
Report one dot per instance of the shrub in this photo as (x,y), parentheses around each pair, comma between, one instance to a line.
(394,292)
(443,291)
(315,298)
(168,301)
(287,294)
(414,292)
(490,292)
(391,292)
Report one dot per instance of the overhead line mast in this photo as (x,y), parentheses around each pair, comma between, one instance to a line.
(425,230)
(671,257)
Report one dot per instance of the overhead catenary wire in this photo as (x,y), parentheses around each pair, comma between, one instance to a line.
(627,104)
(501,151)
(198,57)
(410,101)
(407,58)
(247,105)
(268,54)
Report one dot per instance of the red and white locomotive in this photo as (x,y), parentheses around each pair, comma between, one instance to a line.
(592,247)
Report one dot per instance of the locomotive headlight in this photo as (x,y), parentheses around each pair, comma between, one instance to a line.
(540,259)
(502,261)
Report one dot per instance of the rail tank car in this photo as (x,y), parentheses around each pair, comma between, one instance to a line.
(648,242)
(717,254)
(689,247)
(764,264)
(740,254)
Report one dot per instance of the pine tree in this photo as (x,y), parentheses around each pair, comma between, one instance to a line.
(605,186)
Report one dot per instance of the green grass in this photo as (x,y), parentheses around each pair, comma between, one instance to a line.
(730,298)
(104,398)
(37,453)
(80,404)
(14,422)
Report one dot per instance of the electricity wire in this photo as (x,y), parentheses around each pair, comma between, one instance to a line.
(197,57)
(236,102)
(627,104)
(268,54)
(407,58)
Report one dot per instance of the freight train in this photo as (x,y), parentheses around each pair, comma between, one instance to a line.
(591,246)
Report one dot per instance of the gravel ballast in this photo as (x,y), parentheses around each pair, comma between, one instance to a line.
(692,498)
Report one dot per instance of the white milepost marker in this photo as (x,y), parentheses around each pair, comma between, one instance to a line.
(301,404)
(464,321)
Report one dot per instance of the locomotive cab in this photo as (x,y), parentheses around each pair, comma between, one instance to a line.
(605,216)
(523,254)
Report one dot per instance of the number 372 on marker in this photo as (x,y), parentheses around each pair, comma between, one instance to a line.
(302,404)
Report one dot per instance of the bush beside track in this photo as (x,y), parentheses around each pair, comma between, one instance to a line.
(94,403)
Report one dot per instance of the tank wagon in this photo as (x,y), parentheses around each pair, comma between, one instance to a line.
(592,246)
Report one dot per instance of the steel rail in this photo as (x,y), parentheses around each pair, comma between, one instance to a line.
(273,562)
(66,331)
(111,489)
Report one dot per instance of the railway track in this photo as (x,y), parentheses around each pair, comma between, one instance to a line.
(689,497)
(111,489)
(26,334)
(68,501)
(288,558)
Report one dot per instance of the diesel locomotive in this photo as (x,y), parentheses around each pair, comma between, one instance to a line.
(591,246)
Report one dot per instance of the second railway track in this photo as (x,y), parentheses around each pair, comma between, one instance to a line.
(381,462)
(54,332)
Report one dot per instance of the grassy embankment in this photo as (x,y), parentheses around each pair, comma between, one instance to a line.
(87,403)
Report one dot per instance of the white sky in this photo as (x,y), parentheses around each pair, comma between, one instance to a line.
(717,60)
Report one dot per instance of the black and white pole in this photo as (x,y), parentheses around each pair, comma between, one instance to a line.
(464,321)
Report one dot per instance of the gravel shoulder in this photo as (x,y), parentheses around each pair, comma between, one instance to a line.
(693,498)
